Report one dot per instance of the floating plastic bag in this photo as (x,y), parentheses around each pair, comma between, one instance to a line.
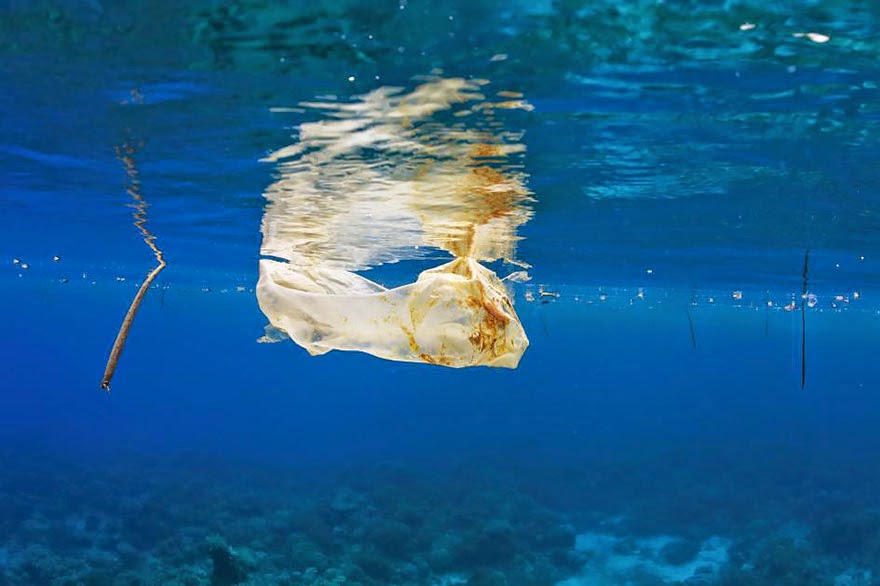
(457,314)
(383,180)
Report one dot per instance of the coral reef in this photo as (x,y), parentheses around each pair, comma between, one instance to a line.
(851,534)
(227,567)
(195,522)
(778,562)
(192,523)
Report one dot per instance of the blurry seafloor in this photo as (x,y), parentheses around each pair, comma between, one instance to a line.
(682,155)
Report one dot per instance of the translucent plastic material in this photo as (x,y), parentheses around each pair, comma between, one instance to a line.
(457,314)
(381,180)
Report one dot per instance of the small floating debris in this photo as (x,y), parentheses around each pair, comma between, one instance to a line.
(547,296)
(517,277)
(25,266)
(15,261)
(815,37)
(737,295)
(56,258)
(747,26)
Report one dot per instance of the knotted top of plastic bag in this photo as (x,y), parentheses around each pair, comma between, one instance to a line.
(390,177)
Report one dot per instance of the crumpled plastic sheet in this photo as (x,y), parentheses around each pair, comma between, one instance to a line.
(457,314)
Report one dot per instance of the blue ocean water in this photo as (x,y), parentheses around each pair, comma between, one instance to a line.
(698,219)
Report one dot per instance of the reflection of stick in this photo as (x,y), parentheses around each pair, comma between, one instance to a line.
(124,154)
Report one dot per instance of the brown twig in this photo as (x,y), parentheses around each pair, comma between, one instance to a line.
(125,155)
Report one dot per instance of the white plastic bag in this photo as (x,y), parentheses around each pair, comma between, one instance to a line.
(457,314)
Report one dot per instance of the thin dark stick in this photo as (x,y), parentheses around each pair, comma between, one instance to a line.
(804,319)
(692,329)
(125,154)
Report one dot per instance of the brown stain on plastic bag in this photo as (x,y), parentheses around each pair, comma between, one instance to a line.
(489,334)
